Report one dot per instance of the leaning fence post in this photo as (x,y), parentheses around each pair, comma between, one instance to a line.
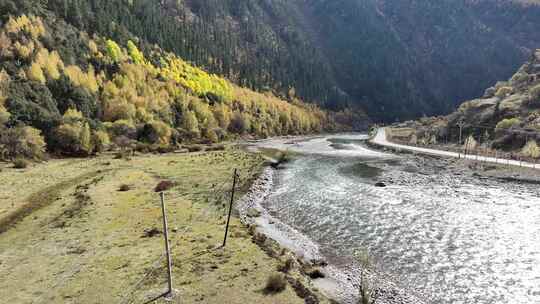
(230,209)
(169,293)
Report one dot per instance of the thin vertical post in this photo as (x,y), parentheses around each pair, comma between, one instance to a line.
(169,292)
(230,208)
(460,132)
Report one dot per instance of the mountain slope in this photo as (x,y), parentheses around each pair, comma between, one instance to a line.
(81,92)
(397,59)
(506,117)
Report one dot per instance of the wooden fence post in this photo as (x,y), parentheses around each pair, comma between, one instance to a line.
(230,209)
(169,293)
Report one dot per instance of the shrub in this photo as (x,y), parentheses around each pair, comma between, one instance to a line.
(156,132)
(239,123)
(504,91)
(520,77)
(74,138)
(470,143)
(191,124)
(101,141)
(164,186)
(531,149)
(275,283)
(508,123)
(283,157)
(21,142)
(365,288)
(124,143)
(123,127)
(4,115)
(535,96)
(286,265)
(124,188)
(20,163)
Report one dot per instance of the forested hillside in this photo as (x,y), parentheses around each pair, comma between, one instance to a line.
(397,59)
(69,92)
(117,61)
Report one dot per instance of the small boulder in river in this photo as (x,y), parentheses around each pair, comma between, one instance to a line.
(380,184)
(252,212)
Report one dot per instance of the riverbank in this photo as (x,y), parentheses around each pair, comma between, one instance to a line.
(89,231)
(338,283)
(428,222)
(484,167)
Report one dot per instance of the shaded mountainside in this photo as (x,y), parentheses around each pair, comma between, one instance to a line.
(415,57)
(396,59)
(77,94)
(507,117)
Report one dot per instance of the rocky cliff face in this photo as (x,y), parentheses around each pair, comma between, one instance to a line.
(506,117)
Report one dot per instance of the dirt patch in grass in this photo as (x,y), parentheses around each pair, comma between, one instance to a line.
(41,199)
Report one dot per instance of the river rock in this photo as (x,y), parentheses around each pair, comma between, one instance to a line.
(252,212)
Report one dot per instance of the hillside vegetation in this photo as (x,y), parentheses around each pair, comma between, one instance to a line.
(506,118)
(394,59)
(66,92)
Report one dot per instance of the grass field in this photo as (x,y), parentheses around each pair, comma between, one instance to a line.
(69,235)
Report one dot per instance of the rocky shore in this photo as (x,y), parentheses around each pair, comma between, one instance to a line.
(470,168)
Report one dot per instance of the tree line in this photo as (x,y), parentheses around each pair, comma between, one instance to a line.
(65,91)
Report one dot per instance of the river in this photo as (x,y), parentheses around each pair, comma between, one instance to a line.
(436,228)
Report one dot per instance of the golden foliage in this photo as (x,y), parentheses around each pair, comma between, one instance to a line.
(74,135)
(72,115)
(24,51)
(4,85)
(191,124)
(31,25)
(197,80)
(87,80)
(92,46)
(35,73)
(22,142)
(163,132)
(101,141)
(114,51)
(508,123)
(51,63)
(134,53)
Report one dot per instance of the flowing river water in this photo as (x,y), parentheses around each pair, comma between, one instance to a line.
(436,228)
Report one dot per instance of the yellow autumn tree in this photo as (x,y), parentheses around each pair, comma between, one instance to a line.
(74,134)
(35,73)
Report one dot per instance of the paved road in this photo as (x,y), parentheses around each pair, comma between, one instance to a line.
(380,139)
